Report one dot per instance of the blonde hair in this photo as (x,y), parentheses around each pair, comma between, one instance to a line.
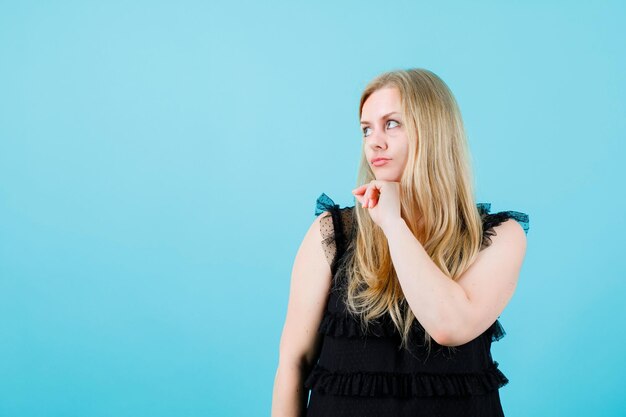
(437,201)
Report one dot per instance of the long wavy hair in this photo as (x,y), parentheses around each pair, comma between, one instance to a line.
(437,201)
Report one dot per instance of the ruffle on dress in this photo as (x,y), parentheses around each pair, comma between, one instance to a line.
(496,332)
(336,229)
(325,203)
(374,384)
(490,220)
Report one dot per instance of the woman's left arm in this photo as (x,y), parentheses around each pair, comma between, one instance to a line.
(456,312)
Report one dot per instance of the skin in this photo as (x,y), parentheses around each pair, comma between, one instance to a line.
(453,312)
(384,135)
(300,342)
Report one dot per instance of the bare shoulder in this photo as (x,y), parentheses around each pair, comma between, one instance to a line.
(510,234)
(308,295)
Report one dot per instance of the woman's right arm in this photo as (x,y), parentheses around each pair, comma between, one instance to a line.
(299,342)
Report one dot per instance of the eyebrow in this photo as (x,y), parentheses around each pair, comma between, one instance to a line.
(386,115)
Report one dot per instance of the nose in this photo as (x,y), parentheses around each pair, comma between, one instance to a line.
(377,140)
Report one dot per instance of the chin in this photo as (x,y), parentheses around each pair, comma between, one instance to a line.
(387,177)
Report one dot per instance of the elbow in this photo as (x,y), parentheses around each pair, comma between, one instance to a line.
(454,322)
(444,339)
(452,336)
(448,340)
(441,336)
(449,333)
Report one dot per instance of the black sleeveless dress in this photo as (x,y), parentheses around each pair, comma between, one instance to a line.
(363,375)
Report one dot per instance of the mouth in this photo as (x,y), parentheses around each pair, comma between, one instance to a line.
(377,162)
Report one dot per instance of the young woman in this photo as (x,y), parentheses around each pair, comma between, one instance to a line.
(394,302)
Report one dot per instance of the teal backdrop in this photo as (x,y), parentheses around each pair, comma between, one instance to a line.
(160,163)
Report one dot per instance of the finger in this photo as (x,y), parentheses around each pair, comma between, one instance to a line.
(359,198)
(360,189)
(372,191)
(371,197)
(375,197)
(368,195)
(359,193)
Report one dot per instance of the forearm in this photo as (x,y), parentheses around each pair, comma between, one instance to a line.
(438,303)
(289,396)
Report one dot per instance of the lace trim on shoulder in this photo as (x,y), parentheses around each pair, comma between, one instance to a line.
(328,237)
(490,220)
(324,203)
(372,384)
(334,228)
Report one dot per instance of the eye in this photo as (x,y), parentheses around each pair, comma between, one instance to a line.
(388,121)
(394,122)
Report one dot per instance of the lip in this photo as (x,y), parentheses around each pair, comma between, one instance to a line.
(377,162)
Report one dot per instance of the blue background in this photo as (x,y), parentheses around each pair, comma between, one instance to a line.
(160,162)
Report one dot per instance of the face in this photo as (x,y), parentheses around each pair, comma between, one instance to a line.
(384,134)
